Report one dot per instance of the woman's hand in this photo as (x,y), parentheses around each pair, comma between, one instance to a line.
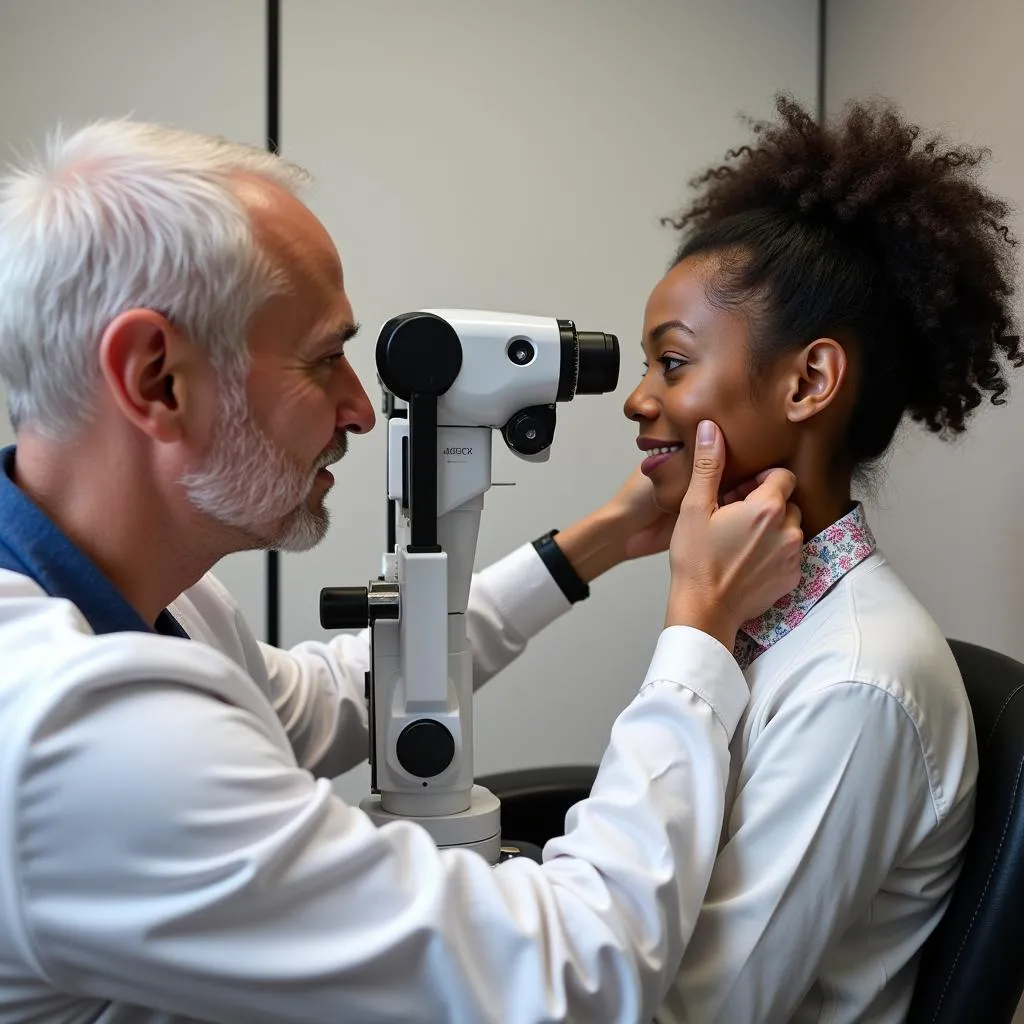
(731,562)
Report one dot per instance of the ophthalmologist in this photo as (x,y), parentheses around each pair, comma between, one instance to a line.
(172,329)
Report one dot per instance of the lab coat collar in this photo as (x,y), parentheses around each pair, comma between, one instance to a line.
(33,545)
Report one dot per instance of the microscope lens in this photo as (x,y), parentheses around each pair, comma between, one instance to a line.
(599,363)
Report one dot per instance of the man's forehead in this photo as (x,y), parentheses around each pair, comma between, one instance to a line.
(286,227)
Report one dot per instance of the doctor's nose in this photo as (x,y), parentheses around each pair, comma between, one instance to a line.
(355,410)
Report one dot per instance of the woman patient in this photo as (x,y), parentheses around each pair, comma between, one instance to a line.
(830,281)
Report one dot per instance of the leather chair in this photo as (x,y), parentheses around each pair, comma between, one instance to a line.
(535,801)
(972,967)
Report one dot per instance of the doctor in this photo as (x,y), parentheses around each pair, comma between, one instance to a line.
(173,324)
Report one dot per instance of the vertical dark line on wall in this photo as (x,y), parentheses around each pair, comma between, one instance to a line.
(822,57)
(274,145)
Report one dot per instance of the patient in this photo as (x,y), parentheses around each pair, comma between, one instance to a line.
(830,282)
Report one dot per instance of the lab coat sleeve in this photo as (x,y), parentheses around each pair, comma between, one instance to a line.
(318,689)
(215,879)
(827,795)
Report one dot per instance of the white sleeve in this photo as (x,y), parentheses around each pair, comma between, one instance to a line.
(318,689)
(510,602)
(216,880)
(828,794)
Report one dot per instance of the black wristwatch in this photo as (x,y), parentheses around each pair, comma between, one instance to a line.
(562,572)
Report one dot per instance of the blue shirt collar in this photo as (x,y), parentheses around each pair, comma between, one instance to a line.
(32,544)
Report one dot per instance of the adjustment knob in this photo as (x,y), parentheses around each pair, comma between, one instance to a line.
(425,748)
(344,608)
(531,430)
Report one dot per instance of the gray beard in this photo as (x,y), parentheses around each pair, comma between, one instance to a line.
(250,485)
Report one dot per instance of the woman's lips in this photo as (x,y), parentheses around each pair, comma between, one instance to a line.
(658,458)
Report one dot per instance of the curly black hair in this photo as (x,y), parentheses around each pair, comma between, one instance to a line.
(865,230)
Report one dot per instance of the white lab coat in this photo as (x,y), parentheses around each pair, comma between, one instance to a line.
(167,853)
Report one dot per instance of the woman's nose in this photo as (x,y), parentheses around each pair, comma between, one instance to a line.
(640,405)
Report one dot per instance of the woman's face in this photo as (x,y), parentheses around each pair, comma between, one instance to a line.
(698,367)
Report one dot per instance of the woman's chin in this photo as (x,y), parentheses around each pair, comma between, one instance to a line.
(668,495)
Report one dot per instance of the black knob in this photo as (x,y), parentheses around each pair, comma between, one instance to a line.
(418,353)
(531,430)
(521,351)
(425,748)
(344,608)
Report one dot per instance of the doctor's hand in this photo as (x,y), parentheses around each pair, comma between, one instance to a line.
(645,528)
(731,561)
(627,526)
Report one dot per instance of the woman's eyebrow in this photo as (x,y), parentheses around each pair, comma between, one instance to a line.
(671,325)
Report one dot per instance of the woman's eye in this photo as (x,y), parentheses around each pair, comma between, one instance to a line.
(667,363)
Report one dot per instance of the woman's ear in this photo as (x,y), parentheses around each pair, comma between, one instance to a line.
(816,377)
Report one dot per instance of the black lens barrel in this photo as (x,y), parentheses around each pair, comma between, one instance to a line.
(599,363)
(590,362)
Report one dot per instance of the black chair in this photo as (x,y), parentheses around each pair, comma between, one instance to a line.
(535,801)
(972,967)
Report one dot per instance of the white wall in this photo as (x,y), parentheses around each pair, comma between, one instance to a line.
(518,157)
(949,516)
(509,156)
(196,64)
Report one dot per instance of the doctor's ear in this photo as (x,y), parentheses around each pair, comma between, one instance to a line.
(816,377)
(147,365)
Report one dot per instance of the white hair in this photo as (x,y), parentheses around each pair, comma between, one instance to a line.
(120,215)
